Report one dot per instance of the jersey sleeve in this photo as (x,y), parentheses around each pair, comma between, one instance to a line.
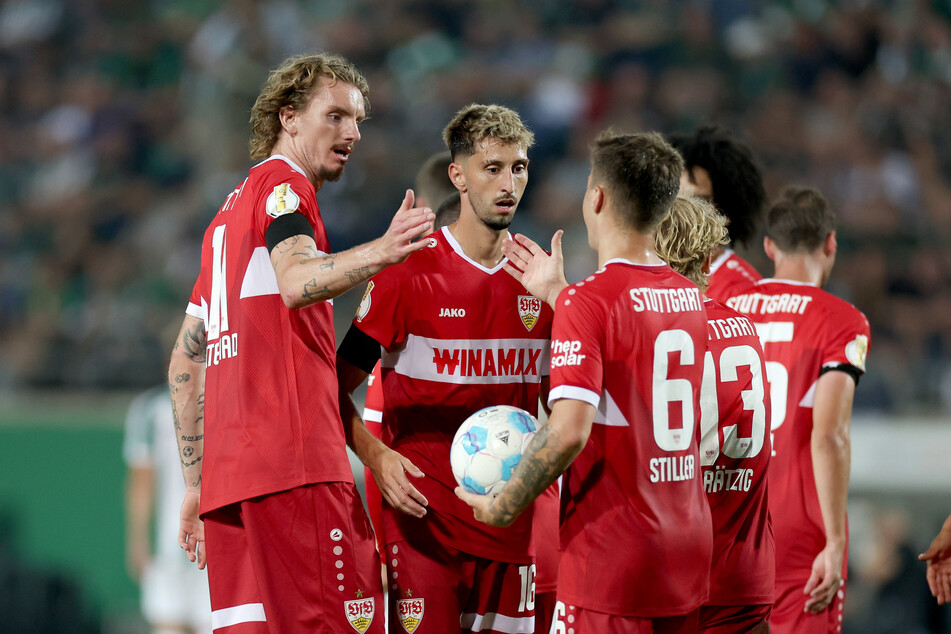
(849,339)
(196,307)
(576,343)
(284,192)
(380,314)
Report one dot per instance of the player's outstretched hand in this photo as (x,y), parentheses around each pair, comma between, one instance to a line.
(938,557)
(407,225)
(191,530)
(482,508)
(825,580)
(390,474)
(541,274)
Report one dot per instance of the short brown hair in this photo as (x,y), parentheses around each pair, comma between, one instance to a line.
(800,220)
(640,172)
(477,122)
(687,235)
(432,180)
(293,83)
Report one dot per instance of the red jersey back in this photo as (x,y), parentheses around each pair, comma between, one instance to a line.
(457,337)
(734,457)
(803,329)
(271,416)
(636,533)
(730,275)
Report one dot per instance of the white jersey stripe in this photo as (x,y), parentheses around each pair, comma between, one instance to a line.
(471,361)
(497,622)
(372,415)
(574,393)
(609,413)
(247,613)
(260,278)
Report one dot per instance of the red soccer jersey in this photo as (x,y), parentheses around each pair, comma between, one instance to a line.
(734,457)
(803,329)
(373,418)
(636,533)
(730,275)
(271,416)
(457,337)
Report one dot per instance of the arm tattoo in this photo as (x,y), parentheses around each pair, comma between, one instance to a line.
(311,291)
(309,253)
(328,262)
(193,341)
(288,244)
(358,275)
(539,467)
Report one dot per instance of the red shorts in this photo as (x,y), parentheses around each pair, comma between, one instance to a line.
(729,619)
(301,560)
(789,615)
(544,611)
(581,621)
(433,591)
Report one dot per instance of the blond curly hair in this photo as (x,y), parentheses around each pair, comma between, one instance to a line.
(687,234)
(293,83)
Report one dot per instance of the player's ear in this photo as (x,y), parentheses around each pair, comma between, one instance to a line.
(770,248)
(287,115)
(705,269)
(830,245)
(457,177)
(597,199)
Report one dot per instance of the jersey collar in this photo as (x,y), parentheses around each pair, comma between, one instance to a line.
(451,241)
(280,157)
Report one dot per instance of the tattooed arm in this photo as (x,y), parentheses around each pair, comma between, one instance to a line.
(551,451)
(304,276)
(186,383)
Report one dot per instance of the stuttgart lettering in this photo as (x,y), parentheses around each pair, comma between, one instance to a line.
(770,304)
(730,327)
(666,300)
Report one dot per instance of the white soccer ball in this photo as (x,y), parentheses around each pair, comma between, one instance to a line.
(488,446)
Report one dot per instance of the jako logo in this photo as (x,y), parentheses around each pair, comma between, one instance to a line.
(452,312)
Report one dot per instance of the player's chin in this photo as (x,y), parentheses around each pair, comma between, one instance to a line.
(332,174)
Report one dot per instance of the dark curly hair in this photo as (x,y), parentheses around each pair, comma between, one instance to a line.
(737,180)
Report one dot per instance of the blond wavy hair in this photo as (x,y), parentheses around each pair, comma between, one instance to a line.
(293,83)
(477,122)
(687,234)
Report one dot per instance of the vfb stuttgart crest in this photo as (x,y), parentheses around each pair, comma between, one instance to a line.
(410,613)
(360,613)
(529,308)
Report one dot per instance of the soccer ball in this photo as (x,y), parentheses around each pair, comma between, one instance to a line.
(488,446)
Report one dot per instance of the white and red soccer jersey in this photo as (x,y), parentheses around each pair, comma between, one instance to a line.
(271,416)
(730,275)
(803,329)
(457,337)
(734,457)
(636,531)
(373,418)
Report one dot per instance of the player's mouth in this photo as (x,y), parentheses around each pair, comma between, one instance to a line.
(506,205)
(343,152)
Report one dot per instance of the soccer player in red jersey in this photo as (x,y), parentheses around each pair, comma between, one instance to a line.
(815,345)
(289,547)
(734,446)
(721,170)
(627,353)
(456,334)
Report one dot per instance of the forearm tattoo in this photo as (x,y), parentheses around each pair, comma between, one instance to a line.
(193,343)
(359,275)
(538,468)
(312,292)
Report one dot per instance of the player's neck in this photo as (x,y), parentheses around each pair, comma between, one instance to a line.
(633,246)
(479,242)
(287,151)
(800,268)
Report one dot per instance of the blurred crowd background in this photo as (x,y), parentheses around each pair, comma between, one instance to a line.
(123,126)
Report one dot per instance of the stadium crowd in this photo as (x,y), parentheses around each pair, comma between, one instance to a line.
(122,126)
